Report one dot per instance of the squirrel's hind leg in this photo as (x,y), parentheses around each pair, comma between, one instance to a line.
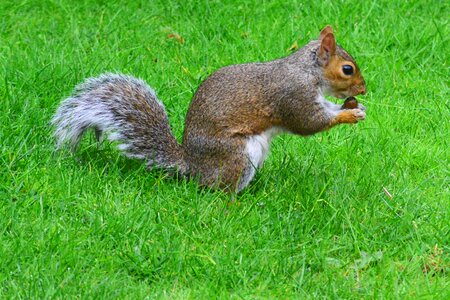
(219,162)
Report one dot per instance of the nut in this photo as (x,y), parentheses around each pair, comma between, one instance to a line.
(350,103)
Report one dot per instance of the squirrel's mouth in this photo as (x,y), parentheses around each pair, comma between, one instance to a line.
(341,96)
(344,95)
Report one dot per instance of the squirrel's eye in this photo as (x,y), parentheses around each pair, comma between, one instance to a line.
(347,69)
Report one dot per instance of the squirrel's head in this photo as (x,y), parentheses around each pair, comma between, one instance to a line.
(341,73)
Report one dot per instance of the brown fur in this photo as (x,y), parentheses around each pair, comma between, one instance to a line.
(230,117)
(245,100)
(345,117)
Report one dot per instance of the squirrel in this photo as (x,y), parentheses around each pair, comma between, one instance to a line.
(232,117)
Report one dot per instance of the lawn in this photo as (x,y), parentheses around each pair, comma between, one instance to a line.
(356,212)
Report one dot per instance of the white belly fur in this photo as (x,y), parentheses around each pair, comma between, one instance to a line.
(257,149)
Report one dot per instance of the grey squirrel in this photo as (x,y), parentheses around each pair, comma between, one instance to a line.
(232,117)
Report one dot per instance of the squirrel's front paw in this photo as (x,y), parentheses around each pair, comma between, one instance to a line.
(361,107)
(359,113)
(350,116)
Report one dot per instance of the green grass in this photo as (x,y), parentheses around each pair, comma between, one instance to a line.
(314,223)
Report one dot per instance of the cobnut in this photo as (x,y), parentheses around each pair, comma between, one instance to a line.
(350,103)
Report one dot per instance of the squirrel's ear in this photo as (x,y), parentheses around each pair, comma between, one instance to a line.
(327,48)
(325,31)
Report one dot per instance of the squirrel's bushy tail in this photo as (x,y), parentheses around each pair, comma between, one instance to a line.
(127,110)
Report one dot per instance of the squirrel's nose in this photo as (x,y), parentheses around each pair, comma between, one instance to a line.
(362,90)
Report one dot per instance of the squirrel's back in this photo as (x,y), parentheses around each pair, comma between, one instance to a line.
(232,118)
